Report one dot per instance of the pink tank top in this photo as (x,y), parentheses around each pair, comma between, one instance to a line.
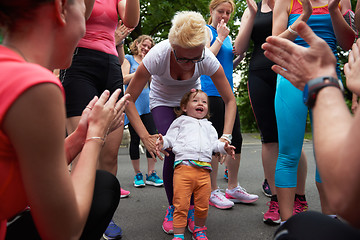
(16,77)
(101,26)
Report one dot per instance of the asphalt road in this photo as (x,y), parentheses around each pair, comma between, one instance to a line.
(141,214)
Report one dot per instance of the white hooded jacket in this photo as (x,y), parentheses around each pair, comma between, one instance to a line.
(193,139)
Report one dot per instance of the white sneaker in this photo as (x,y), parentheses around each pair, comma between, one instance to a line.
(239,195)
(218,199)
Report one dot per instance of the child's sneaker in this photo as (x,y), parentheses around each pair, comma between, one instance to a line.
(154,180)
(266,188)
(239,195)
(226,174)
(113,231)
(300,205)
(124,193)
(217,199)
(190,219)
(177,238)
(138,180)
(167,225)
(272,216)
(199,234)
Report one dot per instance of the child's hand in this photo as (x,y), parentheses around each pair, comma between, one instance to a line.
(230,149)
(159,145)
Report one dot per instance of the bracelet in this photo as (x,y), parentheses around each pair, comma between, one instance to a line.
(227,137)
(95,138)
(292,31)
(217,38)
(121,43)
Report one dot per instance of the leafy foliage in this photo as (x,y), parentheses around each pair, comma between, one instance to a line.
(155,21)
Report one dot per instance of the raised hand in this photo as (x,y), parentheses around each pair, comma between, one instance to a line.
(352,69)
(252,6)
(121,32)
(222,30)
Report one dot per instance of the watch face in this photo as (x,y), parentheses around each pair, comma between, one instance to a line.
(306,94)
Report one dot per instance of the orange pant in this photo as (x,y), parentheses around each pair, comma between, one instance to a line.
(190,180)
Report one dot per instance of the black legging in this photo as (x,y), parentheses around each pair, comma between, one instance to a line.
(105,202)
(314,226)
(148,122)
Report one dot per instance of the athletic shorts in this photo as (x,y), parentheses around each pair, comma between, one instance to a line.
(90,74)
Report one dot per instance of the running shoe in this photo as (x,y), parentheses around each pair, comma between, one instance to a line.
(226,174)
(154,180)
(272,216)
(239,195)
(190,219)
(113,231)
(217,199)
(300,206)
(177,238)
(266,188)
(167,225)
(138,180)
(124,193)
(199,234)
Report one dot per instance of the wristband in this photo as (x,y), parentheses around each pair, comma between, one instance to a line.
(313,87)
(217,38)
(121,43)
(227,137)
(292,31)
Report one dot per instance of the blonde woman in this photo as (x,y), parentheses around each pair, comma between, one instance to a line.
(175,66)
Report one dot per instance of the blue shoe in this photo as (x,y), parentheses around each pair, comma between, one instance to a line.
(113,231)
(266,188)
(138,180)
(154,180)
(226,174)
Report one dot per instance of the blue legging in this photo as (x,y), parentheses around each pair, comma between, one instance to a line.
(291,114)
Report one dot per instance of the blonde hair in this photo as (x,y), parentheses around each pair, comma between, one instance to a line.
(185,99)
(215,3)
(133,47)
(188,30)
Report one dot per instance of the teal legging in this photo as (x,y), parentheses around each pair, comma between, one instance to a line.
(291,114)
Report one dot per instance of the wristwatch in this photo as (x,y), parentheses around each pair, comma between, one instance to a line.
(315,85)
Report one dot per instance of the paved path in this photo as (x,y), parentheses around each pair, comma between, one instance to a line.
(141,214)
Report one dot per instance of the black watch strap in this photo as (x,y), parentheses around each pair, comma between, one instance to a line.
(315,85)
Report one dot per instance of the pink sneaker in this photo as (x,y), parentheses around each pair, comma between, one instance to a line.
(190,219)
(239,195)
(176,238)
(199,234)
(217,199)
(300,206)
(124,193)
(167,225)
(272,216)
